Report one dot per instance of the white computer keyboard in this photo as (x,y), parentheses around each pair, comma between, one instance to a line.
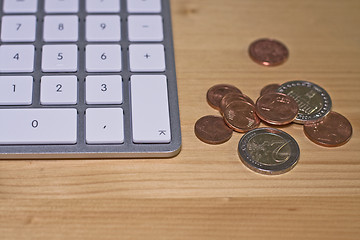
(87,79)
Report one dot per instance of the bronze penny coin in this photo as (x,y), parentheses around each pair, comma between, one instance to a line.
(247,99)
(268,151)
(276,108)
(217,92)
(212,130)
(269,89)
(331,131)
(231,97)
(241,116)
(268,52)
(227,99)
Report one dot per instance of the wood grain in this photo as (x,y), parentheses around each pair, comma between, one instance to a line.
(206,192)
(192,218)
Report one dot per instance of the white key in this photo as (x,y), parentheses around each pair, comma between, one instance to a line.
(16,90)
(103,58)
(59,58)
(58,90)
(38,126)
(150,109)
(147,58)
(104,89)
(17,58)
(20,6)
(145,28)
(61,28)
(18,28)
(61,6)
(144,6)
(101,6)
(103,28)
(104,125)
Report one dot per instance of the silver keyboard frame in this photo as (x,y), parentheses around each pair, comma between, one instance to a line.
(81,150)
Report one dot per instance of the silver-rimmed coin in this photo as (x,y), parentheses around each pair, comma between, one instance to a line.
(314,102)
(268,151)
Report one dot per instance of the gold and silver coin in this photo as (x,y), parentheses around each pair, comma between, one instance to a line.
(268,151)
(314,102)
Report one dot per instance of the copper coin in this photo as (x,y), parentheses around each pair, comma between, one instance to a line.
(231,97)
(277,108)
(332,131)
(217,92)
(241,116)
(269,88)
(268,52)
(247,99)
(212,130)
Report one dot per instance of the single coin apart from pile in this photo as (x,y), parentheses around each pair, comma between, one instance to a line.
(313,101)
(276,108)
(268,52)
(331,131)
(212,130)
(268,151)
(215,94)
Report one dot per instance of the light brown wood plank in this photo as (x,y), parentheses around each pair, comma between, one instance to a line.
(212,218)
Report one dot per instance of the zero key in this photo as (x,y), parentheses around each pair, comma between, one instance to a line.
(38,126)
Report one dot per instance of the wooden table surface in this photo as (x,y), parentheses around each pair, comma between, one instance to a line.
(206,192)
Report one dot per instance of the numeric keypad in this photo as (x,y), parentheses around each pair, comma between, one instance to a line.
(87,78)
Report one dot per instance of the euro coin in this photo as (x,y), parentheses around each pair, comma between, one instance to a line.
(268,151)
(313,101)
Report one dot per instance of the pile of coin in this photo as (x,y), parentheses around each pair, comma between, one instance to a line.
(269,150)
